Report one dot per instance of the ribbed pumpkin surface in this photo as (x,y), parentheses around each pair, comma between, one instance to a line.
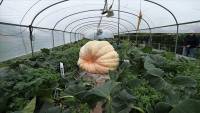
(98,57)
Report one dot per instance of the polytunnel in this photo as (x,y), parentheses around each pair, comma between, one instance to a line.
(154,44)
(54,23)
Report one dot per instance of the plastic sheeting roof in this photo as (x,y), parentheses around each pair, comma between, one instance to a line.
(83,16)
(23,12)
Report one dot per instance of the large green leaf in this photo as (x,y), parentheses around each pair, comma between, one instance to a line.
(115,75)
(151,68)
(162,107)
(30,107)
(125,96)
(157,82)
(148,65)
(121,102)
(134,83)
(184,81)
(172,97)
(187,106)
(105,90)
(116,99)
(157,59)
(155,72)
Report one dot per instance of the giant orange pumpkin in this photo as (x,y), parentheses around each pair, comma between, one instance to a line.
(98,57)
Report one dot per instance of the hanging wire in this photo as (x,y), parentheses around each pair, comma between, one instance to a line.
(139,17)
(1,2)
(105,7)
(105,10)
(110,12)
(139,22)
(111,5)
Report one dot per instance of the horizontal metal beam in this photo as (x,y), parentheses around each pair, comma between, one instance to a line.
(11,24)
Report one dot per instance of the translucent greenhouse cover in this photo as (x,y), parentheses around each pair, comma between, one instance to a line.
(83,16)
(23,11)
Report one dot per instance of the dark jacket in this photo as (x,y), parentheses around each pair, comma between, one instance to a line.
(193,41)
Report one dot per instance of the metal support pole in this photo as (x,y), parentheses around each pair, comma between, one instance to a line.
(118,41)
(70,36)
(31,38)
(129,36)
(150,39)
(64,38)
(177,25)
(53,42)
(159,46)
(75,37)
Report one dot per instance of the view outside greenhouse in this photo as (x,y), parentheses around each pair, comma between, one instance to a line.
(99,56)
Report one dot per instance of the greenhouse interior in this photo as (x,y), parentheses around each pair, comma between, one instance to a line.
(99,56)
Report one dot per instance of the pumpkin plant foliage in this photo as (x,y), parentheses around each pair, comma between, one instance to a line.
(146,81)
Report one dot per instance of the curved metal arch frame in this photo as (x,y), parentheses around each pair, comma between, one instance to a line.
(94,23)
(103,27)
(67,0)
(89,25)
(80,31)
(98,17)
(95,26)
(109,28)
(98,10)
(32,22)
(82,24)
(71,15)
(88,22)
(105,16)
(177,24)
(95,17)
(113,26)
(27,13)
(31,29)
(106,27)
(20,32)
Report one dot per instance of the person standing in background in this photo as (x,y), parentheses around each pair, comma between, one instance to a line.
(190,45)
